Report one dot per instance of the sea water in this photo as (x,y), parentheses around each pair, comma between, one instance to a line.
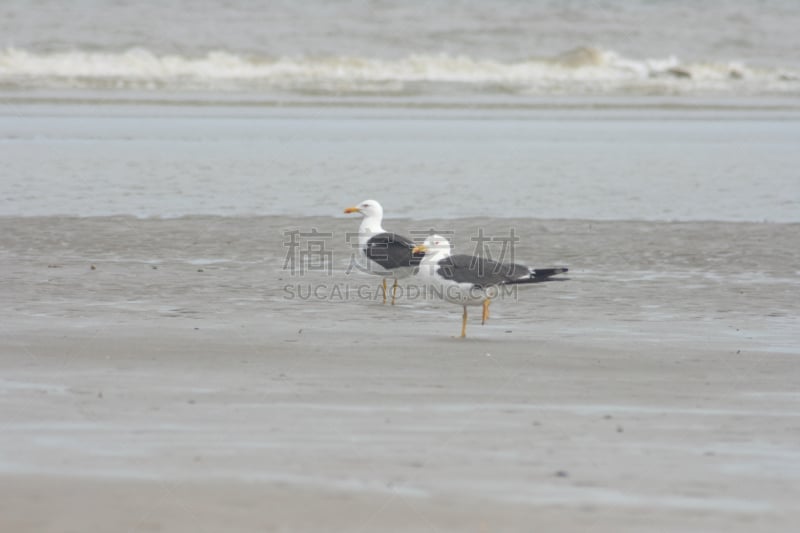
(367,46)
(595,110)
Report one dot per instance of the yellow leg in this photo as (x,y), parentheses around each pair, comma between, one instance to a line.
(464,324)
(394,290)
(384,290)
(485,311)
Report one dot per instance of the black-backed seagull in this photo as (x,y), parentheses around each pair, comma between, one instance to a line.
(392,253)
(471,280)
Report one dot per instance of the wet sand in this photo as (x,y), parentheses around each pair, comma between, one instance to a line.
(176,386)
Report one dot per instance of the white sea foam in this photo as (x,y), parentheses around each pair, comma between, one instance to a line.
(580,71)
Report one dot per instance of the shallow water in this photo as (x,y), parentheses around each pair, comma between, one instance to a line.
(702,163)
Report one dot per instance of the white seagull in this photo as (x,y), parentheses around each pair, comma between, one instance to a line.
(471,280)
(390,251)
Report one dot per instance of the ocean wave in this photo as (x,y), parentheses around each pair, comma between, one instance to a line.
(584,70)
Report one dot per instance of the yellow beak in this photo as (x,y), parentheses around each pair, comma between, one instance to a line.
(351,210)
(419,249)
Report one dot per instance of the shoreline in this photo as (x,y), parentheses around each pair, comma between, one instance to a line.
(464,103)
(336,216)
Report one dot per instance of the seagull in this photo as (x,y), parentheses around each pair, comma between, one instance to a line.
(471,280)
(390,251)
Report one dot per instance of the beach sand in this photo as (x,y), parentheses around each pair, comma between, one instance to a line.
(158,375)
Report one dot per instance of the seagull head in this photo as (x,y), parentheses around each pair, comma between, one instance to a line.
(367,208)
(433,245)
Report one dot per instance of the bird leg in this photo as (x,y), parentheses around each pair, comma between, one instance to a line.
(384,290)
(394,289)
(464,324)
(486,303)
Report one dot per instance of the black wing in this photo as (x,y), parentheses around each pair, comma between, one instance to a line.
(390,251)
(483,272)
